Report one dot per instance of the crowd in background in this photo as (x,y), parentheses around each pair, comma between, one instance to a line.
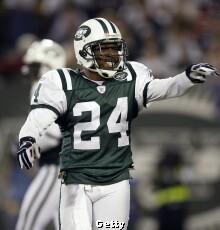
(166,35)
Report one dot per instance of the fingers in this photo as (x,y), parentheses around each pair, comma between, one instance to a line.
(206,65)
(206,69)
(20,162)
(24,161)
(28,152)
(195,67)
(217,73)
(27,158)
(209,66)
(28,155)
(198,77)
(197,73)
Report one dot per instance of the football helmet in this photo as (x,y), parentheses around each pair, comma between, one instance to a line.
(42,56)
(93,35)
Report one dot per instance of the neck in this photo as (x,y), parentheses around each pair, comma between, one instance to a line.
(92,75)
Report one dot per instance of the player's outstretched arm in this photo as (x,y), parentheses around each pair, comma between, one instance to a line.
(159,89)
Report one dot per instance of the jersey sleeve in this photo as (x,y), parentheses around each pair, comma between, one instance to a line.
(160,89)
(143,78)
(149,89)
(51,138)
(49,93)
(37,123)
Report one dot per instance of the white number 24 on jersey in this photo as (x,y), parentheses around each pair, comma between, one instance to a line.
(120,111)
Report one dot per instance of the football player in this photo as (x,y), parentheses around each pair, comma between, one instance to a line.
(41,201)
(94,107)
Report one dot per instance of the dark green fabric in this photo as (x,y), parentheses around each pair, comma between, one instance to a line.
(111,162)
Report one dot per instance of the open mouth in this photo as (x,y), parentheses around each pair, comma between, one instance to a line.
(108,62)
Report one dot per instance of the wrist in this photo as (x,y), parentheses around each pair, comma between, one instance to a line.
(188,70)
(27,139)
(194,75)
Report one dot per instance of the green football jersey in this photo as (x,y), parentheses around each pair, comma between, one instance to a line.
(96,125)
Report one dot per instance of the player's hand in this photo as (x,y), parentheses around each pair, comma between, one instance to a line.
(28,151)
(197,73)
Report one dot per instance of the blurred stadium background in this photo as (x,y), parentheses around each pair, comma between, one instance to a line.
(175,143)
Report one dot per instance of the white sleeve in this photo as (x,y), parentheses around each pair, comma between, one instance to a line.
(37,123)
(50,139)
(50,94)
(159,89)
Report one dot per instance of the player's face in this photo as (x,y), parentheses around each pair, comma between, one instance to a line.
(107,55)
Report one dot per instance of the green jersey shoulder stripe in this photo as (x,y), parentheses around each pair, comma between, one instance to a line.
(63,79)
(132,71)
(73,72)
(68,78)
